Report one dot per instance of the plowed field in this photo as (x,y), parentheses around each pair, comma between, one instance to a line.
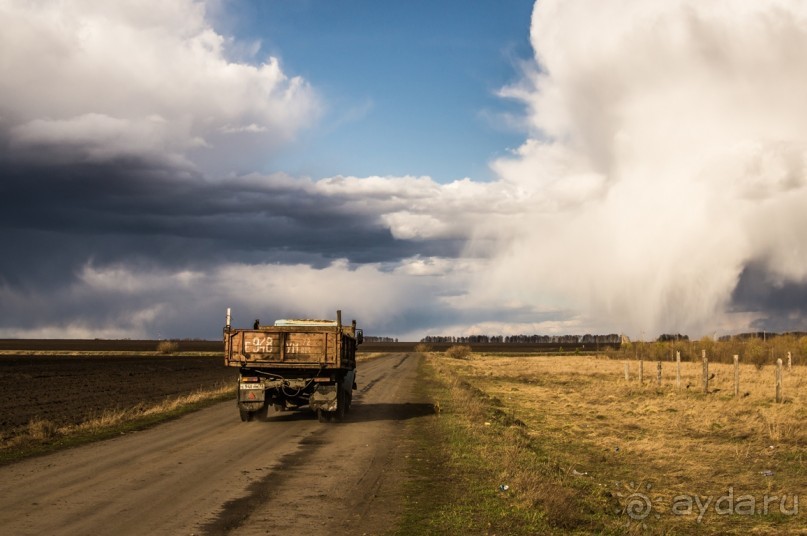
(71,389)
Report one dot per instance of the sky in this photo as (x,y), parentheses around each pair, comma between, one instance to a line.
(429,168)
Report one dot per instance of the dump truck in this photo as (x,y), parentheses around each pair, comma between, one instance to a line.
(294,364)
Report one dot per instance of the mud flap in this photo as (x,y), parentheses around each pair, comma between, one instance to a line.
(251,399)
(324,398)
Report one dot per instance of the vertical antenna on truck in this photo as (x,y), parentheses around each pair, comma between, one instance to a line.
(339,318)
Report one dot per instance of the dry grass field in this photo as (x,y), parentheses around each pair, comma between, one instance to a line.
(591,451)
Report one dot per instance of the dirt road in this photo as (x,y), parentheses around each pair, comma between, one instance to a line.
(209,473)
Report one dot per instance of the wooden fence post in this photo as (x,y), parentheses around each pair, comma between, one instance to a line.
(705,373)
(641,372)
(658,373)
(677,370)
(778,380)
(789,362)
(736,375)
(627,373)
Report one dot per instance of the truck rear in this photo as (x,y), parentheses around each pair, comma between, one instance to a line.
(294,364)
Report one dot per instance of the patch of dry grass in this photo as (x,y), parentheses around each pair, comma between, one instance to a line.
(167,347)
(369,356)
(40,429)
(585,423)
(458,351)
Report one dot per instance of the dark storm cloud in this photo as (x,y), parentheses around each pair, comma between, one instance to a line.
(137,248)
(779,304)
(59,217)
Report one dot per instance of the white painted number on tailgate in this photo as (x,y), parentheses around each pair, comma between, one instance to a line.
(258,344)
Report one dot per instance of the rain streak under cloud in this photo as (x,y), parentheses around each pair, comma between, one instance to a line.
(660,186)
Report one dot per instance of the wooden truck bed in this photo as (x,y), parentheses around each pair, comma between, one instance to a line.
(290,347)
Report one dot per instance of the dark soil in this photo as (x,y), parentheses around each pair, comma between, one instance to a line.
(73,389)
(106,345)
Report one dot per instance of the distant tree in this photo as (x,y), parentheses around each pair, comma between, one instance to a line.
(667,337)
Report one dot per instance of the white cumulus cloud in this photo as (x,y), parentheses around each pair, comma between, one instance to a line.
(98,80)
(666,154)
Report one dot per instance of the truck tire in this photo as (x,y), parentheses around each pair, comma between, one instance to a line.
(246,416)
(323,416)
(263,413)
(341,402)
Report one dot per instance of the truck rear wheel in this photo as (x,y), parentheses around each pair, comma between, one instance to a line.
(246,416)
(323,416)
(341,402)
(263,413)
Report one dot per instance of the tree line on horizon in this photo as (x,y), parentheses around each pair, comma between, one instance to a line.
(763,335)
(611,338)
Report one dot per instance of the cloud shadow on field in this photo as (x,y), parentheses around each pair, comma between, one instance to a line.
(400,411)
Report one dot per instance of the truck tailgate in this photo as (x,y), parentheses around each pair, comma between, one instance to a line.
(287,348)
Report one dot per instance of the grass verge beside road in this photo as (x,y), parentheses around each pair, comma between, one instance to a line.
(583,451)
(475,470)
